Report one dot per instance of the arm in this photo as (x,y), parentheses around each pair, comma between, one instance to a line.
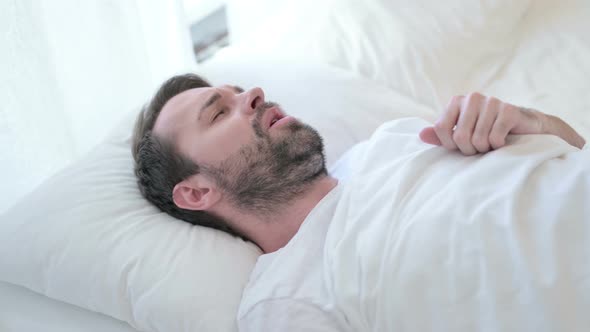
(477,124)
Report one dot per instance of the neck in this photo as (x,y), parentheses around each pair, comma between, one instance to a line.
(274,231)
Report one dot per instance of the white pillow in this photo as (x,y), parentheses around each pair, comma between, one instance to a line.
(426,49)
(87,237)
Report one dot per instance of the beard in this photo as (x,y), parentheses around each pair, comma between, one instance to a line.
(266,175)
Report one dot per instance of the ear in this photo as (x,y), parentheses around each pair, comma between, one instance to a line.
(195,193)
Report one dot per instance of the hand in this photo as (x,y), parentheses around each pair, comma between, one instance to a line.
(478,124)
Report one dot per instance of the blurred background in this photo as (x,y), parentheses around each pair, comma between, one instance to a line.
(70,70)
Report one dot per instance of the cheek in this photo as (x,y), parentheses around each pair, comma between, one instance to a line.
(227,139)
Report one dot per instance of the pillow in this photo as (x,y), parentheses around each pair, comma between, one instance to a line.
(426,49)
(431,50)
(88,238)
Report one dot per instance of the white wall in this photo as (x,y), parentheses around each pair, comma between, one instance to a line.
(69,71)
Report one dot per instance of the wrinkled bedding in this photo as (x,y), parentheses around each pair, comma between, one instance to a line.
(494,242)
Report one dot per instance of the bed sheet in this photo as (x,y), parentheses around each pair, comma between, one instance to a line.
(506,251)
(22,310)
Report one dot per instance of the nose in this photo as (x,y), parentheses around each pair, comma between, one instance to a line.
(253,98)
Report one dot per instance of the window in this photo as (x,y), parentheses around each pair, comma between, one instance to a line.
(208,26)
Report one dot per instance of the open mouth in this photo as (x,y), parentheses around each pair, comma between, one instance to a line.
(274,116)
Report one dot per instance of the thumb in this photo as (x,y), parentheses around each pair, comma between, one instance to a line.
(428,135)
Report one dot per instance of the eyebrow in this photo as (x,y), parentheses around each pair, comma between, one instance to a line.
(214,98)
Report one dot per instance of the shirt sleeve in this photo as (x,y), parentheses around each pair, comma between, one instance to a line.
(288,315)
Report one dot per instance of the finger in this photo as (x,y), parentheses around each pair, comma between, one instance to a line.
(483,127)
(529,121)
(445,124)
(502,125)
(466,124)
(428,135)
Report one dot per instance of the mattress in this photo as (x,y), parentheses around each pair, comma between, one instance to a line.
(22,310)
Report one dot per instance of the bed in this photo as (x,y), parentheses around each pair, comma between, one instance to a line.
(106,260)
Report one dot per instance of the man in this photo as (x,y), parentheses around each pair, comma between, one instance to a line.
(226,158)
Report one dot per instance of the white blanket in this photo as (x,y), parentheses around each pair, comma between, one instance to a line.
(429,240)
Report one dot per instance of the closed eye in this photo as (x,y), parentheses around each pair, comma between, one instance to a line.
(218,114)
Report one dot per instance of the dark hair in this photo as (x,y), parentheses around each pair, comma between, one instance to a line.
(159,166)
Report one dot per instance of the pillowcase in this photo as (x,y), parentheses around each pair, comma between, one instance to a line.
(87,237)
(427,49)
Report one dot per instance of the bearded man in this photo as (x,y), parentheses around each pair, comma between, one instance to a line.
(227,158)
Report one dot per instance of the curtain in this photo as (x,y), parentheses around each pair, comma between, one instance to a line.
(70,70)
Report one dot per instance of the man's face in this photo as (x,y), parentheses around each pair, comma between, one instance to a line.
(256,154)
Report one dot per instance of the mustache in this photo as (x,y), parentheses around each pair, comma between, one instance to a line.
(264,106)
(256,122)
(260,109)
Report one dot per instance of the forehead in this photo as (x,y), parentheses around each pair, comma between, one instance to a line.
(176,111)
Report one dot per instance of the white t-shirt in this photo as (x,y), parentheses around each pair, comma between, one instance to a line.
(417,238)
(286,289)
